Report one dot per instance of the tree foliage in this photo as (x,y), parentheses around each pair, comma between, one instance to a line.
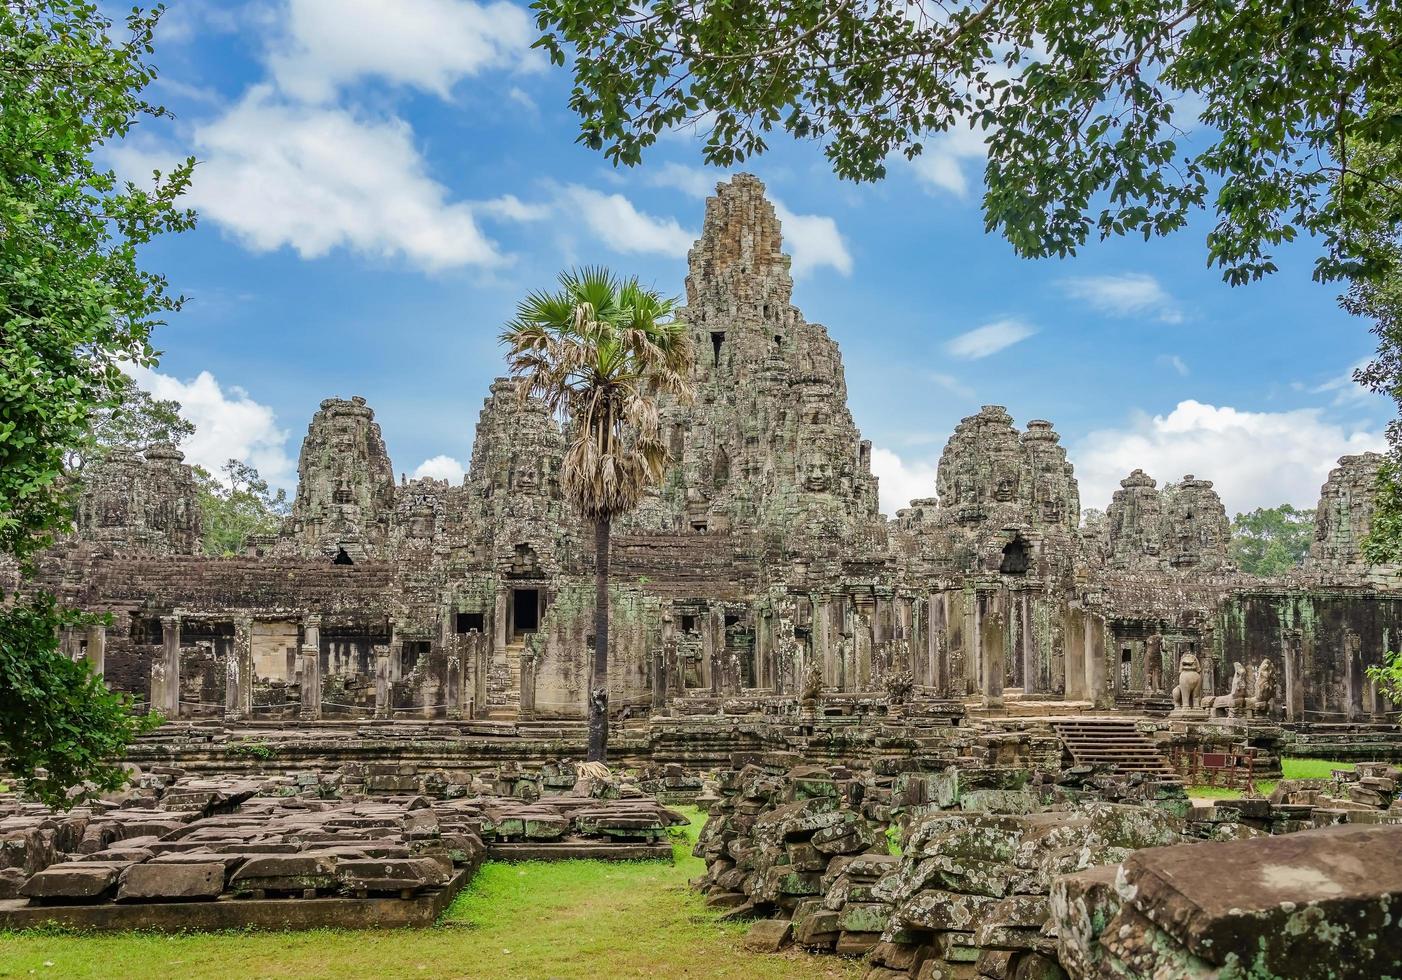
(62,728)
(74,303)
(1086,108)
(597,352)
(1271,540)
(237,506)
(137,422)
(1383,545)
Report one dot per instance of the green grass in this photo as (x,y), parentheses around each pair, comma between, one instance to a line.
(1291,768)
(563,919)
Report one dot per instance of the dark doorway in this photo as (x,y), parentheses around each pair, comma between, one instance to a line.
(468,622)
(342,558)
(1017,557)
(525,610)
(717,340)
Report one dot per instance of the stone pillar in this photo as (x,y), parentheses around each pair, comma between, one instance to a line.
(1031,669)
(382,688)
(481,659)
(866,635)
(972,661)
(1075,635)
(525,710)
(937,672)
(992,628)
(1097,686)
(311,668)
(238,692)
(1294,685)
(169,660)
(96,653)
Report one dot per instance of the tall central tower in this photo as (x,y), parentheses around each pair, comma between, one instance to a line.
(769,445)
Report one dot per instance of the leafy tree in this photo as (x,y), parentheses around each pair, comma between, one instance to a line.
(1388,675)
(1272,540)
(1083,106)
(74,303)
(61,726)
(1383,545)
(138,421)
(240,505)
(598,352)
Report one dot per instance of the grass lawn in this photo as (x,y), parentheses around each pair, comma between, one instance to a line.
(1292,769)
(565,919)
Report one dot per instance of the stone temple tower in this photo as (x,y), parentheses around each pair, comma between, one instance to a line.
(769,443)
(345,485)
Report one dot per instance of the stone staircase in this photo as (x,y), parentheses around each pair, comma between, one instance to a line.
(504,683)
(1114,742)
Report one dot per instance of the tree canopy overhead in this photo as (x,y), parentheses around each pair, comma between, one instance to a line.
(75,302)
(1084,105)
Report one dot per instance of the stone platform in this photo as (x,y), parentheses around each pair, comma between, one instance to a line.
(185,853)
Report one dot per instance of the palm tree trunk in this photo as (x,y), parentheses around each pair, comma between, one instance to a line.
(599,674)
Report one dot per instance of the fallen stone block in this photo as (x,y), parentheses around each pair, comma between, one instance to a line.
(171,882)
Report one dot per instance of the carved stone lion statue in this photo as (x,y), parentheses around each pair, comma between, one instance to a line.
(812,680)
(1188,693)
(1262,700)
(1233,703)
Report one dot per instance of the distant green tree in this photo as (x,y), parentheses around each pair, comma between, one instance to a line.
(240,505)
(75,303)
(136,422)
(1272,540)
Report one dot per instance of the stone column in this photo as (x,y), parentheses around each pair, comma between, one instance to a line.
(1294,683)
(96,654)
(311,668)
(969,601)
(992,625)
(238,693)
(936,674)
(1075,636)
(866,636)
(169,660)
(1031,669)
(1097,688)
(525,711)
(479,655)
(500,620)
(382,688)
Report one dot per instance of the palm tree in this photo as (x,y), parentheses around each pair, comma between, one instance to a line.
(598,351)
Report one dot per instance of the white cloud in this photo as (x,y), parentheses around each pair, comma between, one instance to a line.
(951,384)
(691,181)
(424,44)
(940,166)
(511,208)
(989,338)
(814,241)
(625,229)
(276,175)
(1175,362)
(1222,444)
(901,481)
(1345,390)
(1126,295)
(441,468)
(229,424)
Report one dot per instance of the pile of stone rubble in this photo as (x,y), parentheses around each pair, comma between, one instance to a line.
(173,838)
(806,852)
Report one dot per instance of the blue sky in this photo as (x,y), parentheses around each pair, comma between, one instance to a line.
(381,182)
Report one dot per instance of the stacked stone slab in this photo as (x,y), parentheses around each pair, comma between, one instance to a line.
(1321,904)
(211,839)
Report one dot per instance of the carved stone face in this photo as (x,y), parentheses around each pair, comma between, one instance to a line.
(817,477)
(1189,663)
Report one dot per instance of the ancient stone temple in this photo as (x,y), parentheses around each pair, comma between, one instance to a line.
(759,577)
